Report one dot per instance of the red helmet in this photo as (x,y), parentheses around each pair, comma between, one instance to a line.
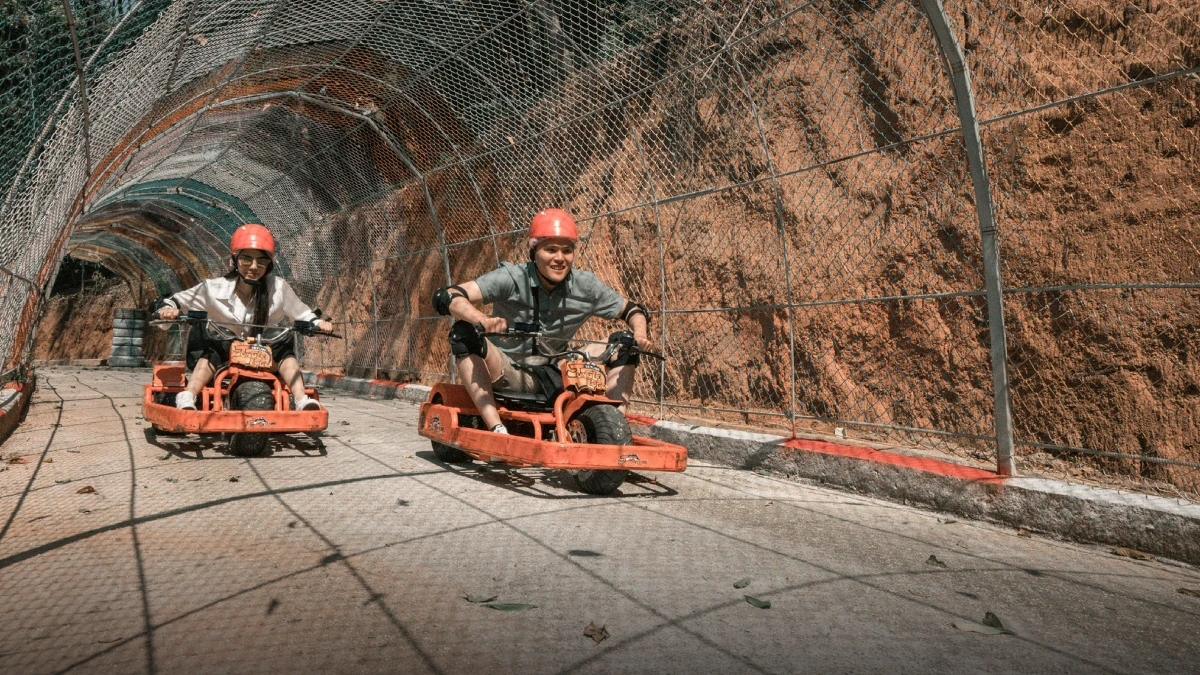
(552,223)
(252,235)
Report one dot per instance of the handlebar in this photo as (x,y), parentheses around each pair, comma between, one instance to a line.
(523,330)
(306,328)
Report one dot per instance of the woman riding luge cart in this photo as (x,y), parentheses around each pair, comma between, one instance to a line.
(243,328)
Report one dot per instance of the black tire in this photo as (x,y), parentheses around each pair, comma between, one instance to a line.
(126,361)
(165,398)
(128,341)
(130,324)
(603,425)
(126,351)
(126,313)
(128,332)
(451,455)
(251,395)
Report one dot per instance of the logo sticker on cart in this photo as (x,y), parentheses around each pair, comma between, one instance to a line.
(258,422)
(435,423)
(630,459)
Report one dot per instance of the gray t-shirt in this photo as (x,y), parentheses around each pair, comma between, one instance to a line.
(561,311)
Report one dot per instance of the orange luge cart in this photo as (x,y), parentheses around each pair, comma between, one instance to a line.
(577,429)
(245,398)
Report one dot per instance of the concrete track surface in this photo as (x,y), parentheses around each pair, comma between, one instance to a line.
(353,552)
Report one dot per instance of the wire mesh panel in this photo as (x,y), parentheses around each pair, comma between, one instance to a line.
(786,185)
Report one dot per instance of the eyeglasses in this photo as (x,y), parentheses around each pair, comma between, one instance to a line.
(249,261)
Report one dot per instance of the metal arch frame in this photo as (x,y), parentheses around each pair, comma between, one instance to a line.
(383,11)
(119,228)
(123,216)
(134,253)
(366,120)
(203,110)
(62,101)
(964,96)
(206,108)
(151,202)
(245,49)
(404,92)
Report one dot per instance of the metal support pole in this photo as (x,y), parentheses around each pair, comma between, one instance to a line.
(960,77)
(83,97)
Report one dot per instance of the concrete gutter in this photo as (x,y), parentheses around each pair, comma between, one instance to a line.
(14,401)
(1158,525)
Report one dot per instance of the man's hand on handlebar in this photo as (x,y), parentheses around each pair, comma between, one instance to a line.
(493,324)
(643,342)
(323,325)
(168,313)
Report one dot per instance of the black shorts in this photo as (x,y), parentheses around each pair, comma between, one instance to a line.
(201,346)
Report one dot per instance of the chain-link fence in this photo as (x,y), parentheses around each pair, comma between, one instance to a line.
(878,216)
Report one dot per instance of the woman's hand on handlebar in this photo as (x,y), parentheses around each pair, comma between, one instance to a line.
(493,324)
(168,313)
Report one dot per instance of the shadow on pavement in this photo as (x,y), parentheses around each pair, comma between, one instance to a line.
(530,481)
(193,446)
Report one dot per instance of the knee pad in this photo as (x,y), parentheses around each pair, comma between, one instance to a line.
(466,340)
(625,356)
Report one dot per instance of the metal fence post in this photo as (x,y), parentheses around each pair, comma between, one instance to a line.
(964,96)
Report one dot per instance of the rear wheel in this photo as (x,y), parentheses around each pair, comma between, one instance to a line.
(449,454)
(251,395)
(602,425)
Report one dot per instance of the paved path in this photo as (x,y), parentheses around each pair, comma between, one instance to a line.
(351,553)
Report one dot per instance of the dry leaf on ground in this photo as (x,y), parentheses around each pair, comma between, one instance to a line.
(972,627)
(1023,533)
(1193,592)
(761,604)
(933,560)
(1131,553)
(742,583)
(597,633)
(479,598)
(991,626)
(86,490)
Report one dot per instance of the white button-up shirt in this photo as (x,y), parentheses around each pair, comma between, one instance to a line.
(225,308)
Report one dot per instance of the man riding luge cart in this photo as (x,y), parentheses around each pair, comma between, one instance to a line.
(241,351)
(527,398)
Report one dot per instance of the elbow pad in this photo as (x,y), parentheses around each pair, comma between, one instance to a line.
(632,308)
(442,298)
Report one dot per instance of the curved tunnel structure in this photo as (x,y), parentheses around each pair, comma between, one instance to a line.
(829,206)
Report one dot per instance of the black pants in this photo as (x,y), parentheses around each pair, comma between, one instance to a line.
(200,346)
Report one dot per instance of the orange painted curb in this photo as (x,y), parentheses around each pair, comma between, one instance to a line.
(905,461)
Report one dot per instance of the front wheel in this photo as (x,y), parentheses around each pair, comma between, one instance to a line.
(251,395)
(602,425)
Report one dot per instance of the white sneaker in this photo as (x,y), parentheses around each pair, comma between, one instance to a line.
(500,429)
(307,403)
(185,400)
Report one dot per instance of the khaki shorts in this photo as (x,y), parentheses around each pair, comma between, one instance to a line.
(515,379)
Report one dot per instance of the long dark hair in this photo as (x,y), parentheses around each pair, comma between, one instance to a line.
(261,299)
